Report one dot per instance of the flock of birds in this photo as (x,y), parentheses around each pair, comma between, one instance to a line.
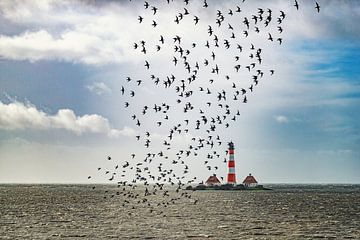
(168,165)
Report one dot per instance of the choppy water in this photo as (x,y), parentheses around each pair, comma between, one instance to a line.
(288,212)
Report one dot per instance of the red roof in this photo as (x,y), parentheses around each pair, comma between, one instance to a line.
(249,180)
(212,180)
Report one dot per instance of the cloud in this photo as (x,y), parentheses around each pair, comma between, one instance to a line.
(96,34)
(20,116)
(65,31)
(70,46)
(99,88)
(126,131)
(281,119)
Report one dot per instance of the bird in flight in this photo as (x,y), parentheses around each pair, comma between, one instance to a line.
(147,65)
(296,5)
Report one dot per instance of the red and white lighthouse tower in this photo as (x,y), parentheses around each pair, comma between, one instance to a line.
(231,179)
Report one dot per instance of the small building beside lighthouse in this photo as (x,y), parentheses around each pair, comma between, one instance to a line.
(213,181)
(250,181)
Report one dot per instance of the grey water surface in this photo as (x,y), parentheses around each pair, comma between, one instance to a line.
(79,212)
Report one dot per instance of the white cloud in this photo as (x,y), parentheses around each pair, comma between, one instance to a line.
(70,46)
(77,31)
(126,131)
(99,88)
(68,31)
(20,116)
(281,119)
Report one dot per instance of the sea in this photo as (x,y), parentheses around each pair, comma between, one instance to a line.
(81,212)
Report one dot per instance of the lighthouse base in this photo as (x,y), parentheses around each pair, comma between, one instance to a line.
(226,187)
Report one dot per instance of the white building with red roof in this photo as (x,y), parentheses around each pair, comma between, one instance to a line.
(213,181)
(250,181)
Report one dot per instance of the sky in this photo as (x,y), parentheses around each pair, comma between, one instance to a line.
(63,63)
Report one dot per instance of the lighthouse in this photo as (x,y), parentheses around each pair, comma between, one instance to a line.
(231,179)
